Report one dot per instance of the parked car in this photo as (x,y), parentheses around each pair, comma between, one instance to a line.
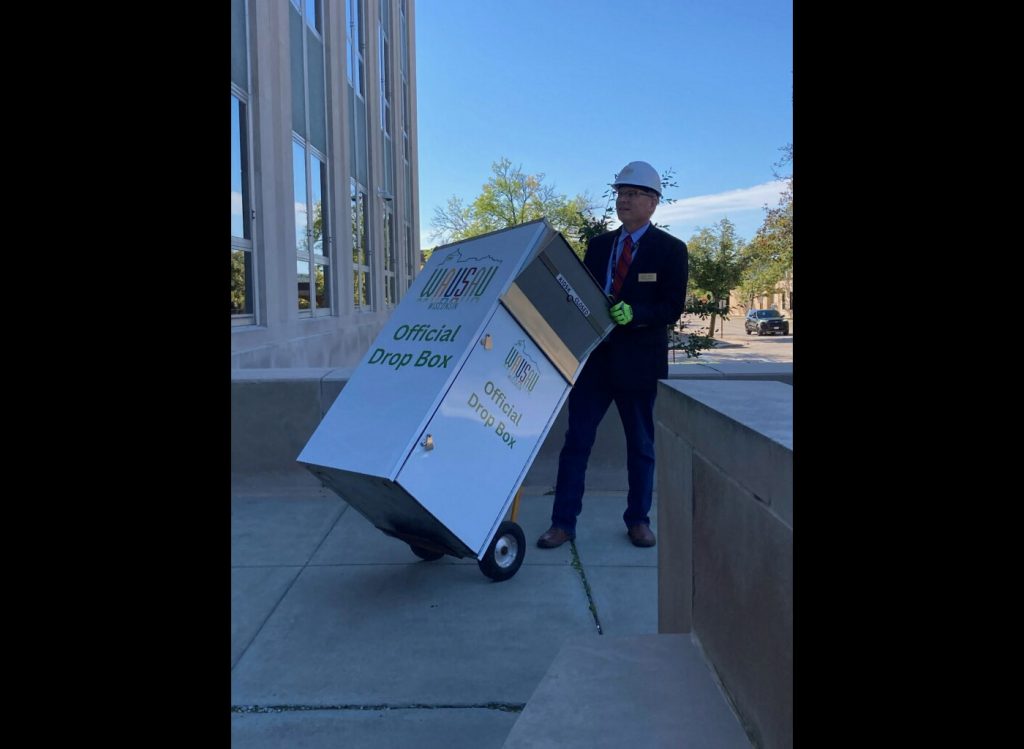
(765,322)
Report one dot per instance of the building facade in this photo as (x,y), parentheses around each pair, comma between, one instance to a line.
(324,220)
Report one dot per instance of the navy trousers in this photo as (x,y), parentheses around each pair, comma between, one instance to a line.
(588,402)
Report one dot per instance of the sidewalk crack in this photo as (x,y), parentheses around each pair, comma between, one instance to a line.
(578,566)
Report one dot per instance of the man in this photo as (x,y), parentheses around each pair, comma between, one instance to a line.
(644,272)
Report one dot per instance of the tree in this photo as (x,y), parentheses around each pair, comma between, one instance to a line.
(769,256)
(509,197)
(716,263)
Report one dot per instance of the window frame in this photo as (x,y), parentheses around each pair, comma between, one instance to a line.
(360,220)
(248,245)
(311,259)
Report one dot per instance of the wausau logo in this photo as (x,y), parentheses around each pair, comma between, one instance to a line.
(522,369)
(467,278)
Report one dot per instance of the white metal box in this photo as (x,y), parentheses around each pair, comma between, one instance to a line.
(433,434)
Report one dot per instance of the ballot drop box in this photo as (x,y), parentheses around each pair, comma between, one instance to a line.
(439,424)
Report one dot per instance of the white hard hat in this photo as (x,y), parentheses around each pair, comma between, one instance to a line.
(639,174)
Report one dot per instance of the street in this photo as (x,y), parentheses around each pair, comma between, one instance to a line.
(735,344)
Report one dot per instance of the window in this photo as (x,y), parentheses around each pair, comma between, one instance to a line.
(312,260)
(387,192)
(360,253)
(314,15)
(309,161)
(243,282)
(406,116)
(410,270)
(390,263)
(354,45)
(384,51)
(241,227)
(359,157)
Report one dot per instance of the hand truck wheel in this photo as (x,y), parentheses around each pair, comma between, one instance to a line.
(505,554)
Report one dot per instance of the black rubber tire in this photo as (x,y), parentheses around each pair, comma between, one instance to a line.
(425,554)
(505,555)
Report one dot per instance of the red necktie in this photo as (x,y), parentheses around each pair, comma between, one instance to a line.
(623,267)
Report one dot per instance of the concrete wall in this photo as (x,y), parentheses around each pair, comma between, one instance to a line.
(725,528)
(274,412)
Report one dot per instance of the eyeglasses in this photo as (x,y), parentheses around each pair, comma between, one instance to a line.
(632,194)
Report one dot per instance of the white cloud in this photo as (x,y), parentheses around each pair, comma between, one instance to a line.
(708,209)
(236,203)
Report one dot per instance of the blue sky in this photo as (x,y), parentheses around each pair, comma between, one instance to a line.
(578,88)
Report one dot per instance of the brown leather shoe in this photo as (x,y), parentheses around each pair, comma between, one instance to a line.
(641,535)
(553,537)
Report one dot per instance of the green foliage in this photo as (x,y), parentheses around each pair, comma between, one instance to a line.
(716,264)
(509,197)
(239,287)
(769,256)
(693,343)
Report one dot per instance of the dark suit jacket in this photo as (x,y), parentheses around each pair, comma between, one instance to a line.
(635,356)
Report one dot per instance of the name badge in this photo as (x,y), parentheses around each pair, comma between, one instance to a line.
(648,276)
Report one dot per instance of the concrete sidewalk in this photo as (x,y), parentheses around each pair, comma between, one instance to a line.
(340,636)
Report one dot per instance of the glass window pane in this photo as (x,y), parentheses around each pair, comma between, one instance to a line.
(390,287)
(354,215)
(317,93)
(322,295)
(359,229)
(405,42)
(239,52)
(410,265)
(295,56)
(348,50)
(355,73)
(357,288)
(299,176)
(241,283)
(313,13)
(239,171)
(302,271)
(318,184)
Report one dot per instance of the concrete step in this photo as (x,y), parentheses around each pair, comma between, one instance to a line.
(647,691)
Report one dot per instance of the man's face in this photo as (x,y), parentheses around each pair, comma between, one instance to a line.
(634,206)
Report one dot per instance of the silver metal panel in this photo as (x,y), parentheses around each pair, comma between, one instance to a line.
(485,433)
(531,320)
(373,424)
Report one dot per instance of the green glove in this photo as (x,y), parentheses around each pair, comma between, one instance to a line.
(621,313)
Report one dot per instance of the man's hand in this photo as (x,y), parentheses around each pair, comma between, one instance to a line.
(621,313)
